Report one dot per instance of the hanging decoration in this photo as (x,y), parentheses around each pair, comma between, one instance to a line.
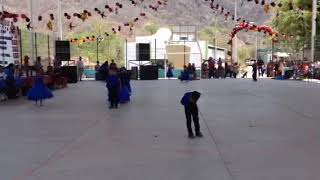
(267,6)
(85,15)
(267,30)
(50,26)
(220,10)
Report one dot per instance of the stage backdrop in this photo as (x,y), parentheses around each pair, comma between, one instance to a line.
(177,54)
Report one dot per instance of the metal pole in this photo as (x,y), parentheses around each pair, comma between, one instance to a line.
(256,53)
(49,56)
(313,32)
(184,52)
(36,44)
(215,38)
(272,50)
(3,56)
(2,25)
(127,63)
(165,67)
(155,50)
(97,49)
(235,51)
(31,32)
(60,20)
(20,42)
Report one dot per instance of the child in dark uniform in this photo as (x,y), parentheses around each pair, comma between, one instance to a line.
(113,85)
(189,100)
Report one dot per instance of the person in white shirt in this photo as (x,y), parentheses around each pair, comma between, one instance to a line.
(80,68)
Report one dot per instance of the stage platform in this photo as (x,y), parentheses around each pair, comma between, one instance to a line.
(267,130)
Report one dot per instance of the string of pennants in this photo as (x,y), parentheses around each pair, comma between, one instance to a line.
(219,9)
(228,15)
(85,15)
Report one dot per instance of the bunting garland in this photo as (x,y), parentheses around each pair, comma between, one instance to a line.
(219,9)
(85,15)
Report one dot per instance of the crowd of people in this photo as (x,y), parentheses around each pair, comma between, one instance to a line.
(218,69)
(296,69)
(18,80)
(189,73)
(117,82)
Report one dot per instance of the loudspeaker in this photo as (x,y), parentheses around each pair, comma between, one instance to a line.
(143,52)
(70,72)
(63,50)
(149,73)
(134,73)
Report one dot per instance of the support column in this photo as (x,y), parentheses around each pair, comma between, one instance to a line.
(36,44)
(313,31)
(31,32)
(126,46)
(49,56)
(235,39)
(60,23)
(215,37)
(256,52)
(20,46)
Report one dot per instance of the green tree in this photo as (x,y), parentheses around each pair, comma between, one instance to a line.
(244,54)
(294,20)
(152,28)
(111,47)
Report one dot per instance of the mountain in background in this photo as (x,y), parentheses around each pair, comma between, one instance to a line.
(183,12)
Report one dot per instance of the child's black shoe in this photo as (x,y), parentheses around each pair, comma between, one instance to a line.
(200,135)
(191,136)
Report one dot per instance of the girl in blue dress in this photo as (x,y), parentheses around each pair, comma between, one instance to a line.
(169,72)
(125,91)
(39,91)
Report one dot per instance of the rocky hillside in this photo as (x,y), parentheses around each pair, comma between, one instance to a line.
(186,12)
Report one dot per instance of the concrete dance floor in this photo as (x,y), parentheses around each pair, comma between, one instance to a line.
(268,130)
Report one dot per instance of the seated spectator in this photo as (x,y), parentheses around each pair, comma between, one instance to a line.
(2,73)
(10,90)
(50,71)
(37,65)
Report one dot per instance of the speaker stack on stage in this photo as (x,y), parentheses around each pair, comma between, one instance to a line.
(143,52)
(146,72)
(63,54)
(149,73)
(63,50)
(134,73)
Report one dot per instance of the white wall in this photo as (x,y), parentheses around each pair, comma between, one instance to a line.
(162,37)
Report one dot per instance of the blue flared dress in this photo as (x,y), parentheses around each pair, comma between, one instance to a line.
(126,90)
(124,95)
(169,73)
(39,91)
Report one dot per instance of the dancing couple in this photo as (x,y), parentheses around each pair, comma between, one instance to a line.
(118,85)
